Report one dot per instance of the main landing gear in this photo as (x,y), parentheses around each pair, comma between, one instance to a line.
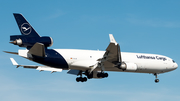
(82,79)
(156,80)
(90,76)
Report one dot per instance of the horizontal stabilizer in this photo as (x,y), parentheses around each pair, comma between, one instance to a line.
(38,50)
(11,52)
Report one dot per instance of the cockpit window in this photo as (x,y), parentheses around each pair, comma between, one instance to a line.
(173,61)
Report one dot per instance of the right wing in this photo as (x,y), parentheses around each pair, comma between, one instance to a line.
(40,68)
(112,56)
(113,52)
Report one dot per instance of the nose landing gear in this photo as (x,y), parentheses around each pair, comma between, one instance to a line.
(156,80)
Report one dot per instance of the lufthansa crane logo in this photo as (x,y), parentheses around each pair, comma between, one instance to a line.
(26,28)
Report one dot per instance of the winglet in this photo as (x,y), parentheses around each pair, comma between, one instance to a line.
(14,62)
(112,39)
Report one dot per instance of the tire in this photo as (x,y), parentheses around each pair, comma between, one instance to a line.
(106,75)
(77,79)
(84,79)
(99,75)
(157,80)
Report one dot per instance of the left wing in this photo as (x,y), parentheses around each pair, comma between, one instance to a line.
(40,68)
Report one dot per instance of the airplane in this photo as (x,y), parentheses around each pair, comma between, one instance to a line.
(86,64)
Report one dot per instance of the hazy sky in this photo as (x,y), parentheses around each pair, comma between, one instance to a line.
(143,26)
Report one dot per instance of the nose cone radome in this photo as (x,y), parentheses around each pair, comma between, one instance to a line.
(175,66)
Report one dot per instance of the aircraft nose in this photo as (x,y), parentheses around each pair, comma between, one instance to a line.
(175,66)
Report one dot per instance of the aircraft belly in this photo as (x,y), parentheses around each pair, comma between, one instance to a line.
(52,58)
(151,67)
(80,59)
(55,59)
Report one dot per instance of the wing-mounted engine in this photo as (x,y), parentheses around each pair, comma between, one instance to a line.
(127,66)
(24,41)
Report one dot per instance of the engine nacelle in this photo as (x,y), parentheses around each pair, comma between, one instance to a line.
(24,41)
(129,66)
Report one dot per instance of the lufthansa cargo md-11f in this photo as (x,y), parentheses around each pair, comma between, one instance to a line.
(86,64)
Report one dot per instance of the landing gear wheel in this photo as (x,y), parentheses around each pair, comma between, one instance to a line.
(77,79)
(89,76)
(81,79)
(84,79)
(156,75)
(102,75)
(99,75)
(106,75)
(156,80)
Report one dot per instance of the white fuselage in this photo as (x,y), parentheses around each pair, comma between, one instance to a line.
(146,63)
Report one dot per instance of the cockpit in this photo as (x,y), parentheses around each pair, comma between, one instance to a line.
(173,61)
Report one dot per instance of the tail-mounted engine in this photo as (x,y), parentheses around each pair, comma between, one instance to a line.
(29,36)
(24,41)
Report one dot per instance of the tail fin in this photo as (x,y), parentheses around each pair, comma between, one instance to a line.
(29,36)
(24,27)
